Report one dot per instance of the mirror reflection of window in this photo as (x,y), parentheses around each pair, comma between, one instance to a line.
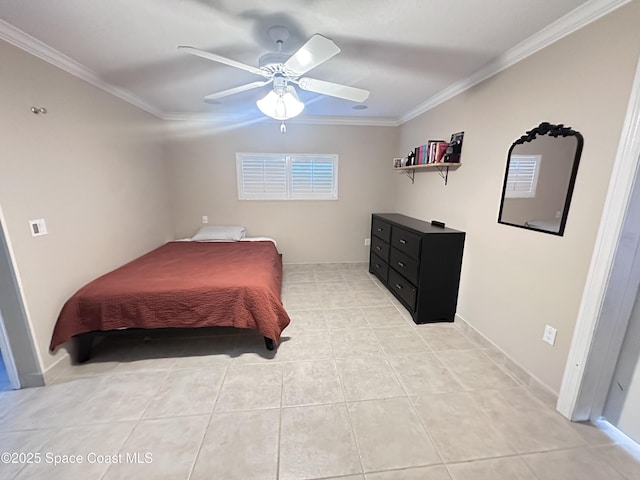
(522,177)
(538,183)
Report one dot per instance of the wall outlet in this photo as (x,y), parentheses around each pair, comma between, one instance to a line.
(549,334)
(367,242)
(38,227)
(205,219)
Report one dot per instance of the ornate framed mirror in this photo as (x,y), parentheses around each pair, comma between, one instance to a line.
(538,182)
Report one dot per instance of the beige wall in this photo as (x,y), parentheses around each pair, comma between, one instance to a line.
(203,173)
(515,281)
(93,167)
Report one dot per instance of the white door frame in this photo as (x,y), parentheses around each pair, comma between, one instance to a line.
(612,281)
(24,365)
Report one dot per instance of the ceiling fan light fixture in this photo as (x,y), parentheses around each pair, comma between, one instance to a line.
(281,103)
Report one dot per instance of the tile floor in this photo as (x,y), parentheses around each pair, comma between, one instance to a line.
(355,391)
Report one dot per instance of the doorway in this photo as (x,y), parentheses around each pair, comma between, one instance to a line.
(621,406)
(5,384)
(612,282)
(19,356)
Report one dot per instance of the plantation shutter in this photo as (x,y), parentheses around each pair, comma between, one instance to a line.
(522,176)
(271,176)
(262,177)
(312,177)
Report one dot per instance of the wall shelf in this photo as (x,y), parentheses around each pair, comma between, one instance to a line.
(443,169)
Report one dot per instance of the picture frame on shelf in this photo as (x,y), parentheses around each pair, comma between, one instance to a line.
(454,150)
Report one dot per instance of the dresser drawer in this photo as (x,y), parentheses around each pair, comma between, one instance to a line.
(378,267)
(402,288)
(381,229)
(404,265)
(380,248)
(406,241)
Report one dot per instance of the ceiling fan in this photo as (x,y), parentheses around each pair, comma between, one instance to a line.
(283,71)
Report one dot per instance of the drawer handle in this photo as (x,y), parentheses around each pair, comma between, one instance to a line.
(398,286)
(400,264)
(380,229)
(403,241)
(378,247)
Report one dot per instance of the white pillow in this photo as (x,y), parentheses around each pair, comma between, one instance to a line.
(221,232)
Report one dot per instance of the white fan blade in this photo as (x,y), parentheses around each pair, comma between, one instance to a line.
(234,90)
(333,89)
(225,60)
(317,50)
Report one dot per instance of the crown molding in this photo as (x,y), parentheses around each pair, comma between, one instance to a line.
(39,49)
(302,120)
(572,21)
(353,121)
(35,47)
(566,25)
(203,118)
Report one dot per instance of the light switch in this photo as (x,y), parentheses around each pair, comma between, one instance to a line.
(38,227)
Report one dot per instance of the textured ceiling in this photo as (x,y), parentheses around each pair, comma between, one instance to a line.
(404,51)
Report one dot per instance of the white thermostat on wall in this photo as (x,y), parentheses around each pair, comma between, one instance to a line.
(38,227)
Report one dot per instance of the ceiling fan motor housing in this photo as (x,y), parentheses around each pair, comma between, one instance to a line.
(279,84)
(273,62)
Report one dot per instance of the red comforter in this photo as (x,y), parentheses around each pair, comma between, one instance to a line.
(183,284)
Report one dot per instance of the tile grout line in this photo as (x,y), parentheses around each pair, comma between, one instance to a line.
(139,419)
(346,404)
(412,406)
(407,396)
(206,428)
(297,358)
(280,411)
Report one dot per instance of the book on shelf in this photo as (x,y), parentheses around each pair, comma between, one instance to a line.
(420,155)
(431,150)
(440,150)
(435,151)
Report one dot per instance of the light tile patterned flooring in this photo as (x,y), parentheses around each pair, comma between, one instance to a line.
(355,391)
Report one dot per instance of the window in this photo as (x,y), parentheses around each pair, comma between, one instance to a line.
(274,176)
(522,177)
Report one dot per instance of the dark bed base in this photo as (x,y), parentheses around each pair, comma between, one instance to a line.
(269,343)
(84,342)
(83,345)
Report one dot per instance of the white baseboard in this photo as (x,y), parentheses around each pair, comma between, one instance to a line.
(54,371)
(534,384)
(355,263)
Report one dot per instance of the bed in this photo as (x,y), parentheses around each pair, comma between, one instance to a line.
(182,284)
(552,225)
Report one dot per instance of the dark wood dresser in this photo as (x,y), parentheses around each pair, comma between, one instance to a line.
(419,263)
